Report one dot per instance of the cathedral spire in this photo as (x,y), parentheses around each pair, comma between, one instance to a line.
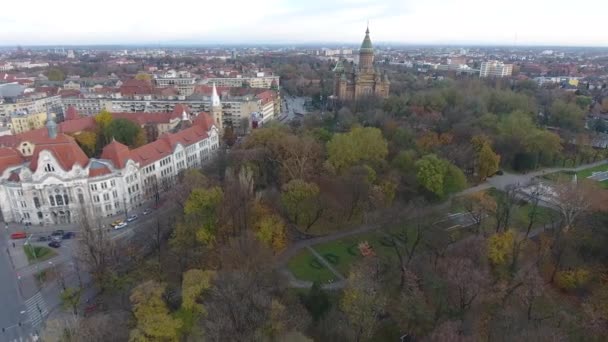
(215,99)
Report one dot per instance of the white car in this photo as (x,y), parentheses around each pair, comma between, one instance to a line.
(121,225)
(132,218)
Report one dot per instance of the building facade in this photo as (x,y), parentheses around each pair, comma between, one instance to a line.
(361,80)
(237,82)
(47,179)
(495,69)
(22,121)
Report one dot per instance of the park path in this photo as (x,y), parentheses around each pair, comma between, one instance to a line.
(325,262)
(499,182)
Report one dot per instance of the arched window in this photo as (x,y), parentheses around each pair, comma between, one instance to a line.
(65,199)
(49,168)
(59,199)
(52,200)
(36,202)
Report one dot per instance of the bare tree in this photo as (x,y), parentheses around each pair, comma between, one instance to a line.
(96,249)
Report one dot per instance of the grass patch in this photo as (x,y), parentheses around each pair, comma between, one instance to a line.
(41,277)
(582,174)
(38,253)
(305,266)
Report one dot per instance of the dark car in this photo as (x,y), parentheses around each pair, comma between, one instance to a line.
(44,238)
(499,173)
(68,235)
(55,244)
(59,232)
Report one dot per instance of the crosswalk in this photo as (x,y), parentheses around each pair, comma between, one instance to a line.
(29,338)
(36,309)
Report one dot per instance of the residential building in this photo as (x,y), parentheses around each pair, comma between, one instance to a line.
(183,81)
(46,179)
(495,69)
(23,121)
(237,82)
(362,80)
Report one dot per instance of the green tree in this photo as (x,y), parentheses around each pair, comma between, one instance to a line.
(56,74)
(301,201)
(567,116)
(154,322)
(70,299)
(453,180)
(126,132)
(316,301)
(270,229)
(202,209)
(430,172)
(361,144)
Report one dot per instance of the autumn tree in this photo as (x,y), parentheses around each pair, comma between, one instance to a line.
(302,203)
(202,209)
(567,116)
(363,300)
(56,74)
(154,321)
(269,228)
(102,122)
(487,162)
(478,205)
(359,145)
(70,299)
(88,142)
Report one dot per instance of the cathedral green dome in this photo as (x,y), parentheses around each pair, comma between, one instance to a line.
(366,46)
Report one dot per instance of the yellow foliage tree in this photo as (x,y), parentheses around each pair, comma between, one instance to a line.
(572,279)
(87,141)
(500,248)
(193,284)
(154,323)
(269,228)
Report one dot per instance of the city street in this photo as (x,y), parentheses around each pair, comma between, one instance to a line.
(22,300)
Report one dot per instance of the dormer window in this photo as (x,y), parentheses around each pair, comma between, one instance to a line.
(49,168)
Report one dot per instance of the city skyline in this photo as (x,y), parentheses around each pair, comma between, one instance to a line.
(434,22)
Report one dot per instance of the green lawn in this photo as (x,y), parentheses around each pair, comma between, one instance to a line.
(305,266)
(41,253)
(583,174)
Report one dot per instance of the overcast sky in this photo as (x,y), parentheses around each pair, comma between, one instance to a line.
(525,22)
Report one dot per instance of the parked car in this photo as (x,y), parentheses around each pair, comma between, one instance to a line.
(147,211)
(499,173)
(121,225)
(59,232)
(68,235)
(131,218)
(19,235)
(55,244)
(116,223)
(44,238)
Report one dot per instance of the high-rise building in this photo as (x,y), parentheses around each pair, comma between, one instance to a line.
(495,69)
(355,82)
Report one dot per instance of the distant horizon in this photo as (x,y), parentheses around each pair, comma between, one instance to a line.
(317,44)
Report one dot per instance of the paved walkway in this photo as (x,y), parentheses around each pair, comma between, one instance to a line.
(499,182)
(325,263)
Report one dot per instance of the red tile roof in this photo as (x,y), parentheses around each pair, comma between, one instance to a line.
(145,118)
(99,171)
(117,153)
(70,93)
(9,157)
(71,113)
(65,150)
(166,143)
(136,87)
(76,125)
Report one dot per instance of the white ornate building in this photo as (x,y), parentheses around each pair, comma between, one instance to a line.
(46,178)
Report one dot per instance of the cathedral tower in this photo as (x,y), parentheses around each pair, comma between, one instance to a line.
(216,110)
(366,54)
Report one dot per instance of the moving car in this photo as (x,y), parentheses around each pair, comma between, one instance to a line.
(131,218)
(18,235)
(147,211)
(55,244)
(44,238)
(116,223)
(68,235)
(121,225)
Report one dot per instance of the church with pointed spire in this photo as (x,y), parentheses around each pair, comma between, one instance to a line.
(356,82)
